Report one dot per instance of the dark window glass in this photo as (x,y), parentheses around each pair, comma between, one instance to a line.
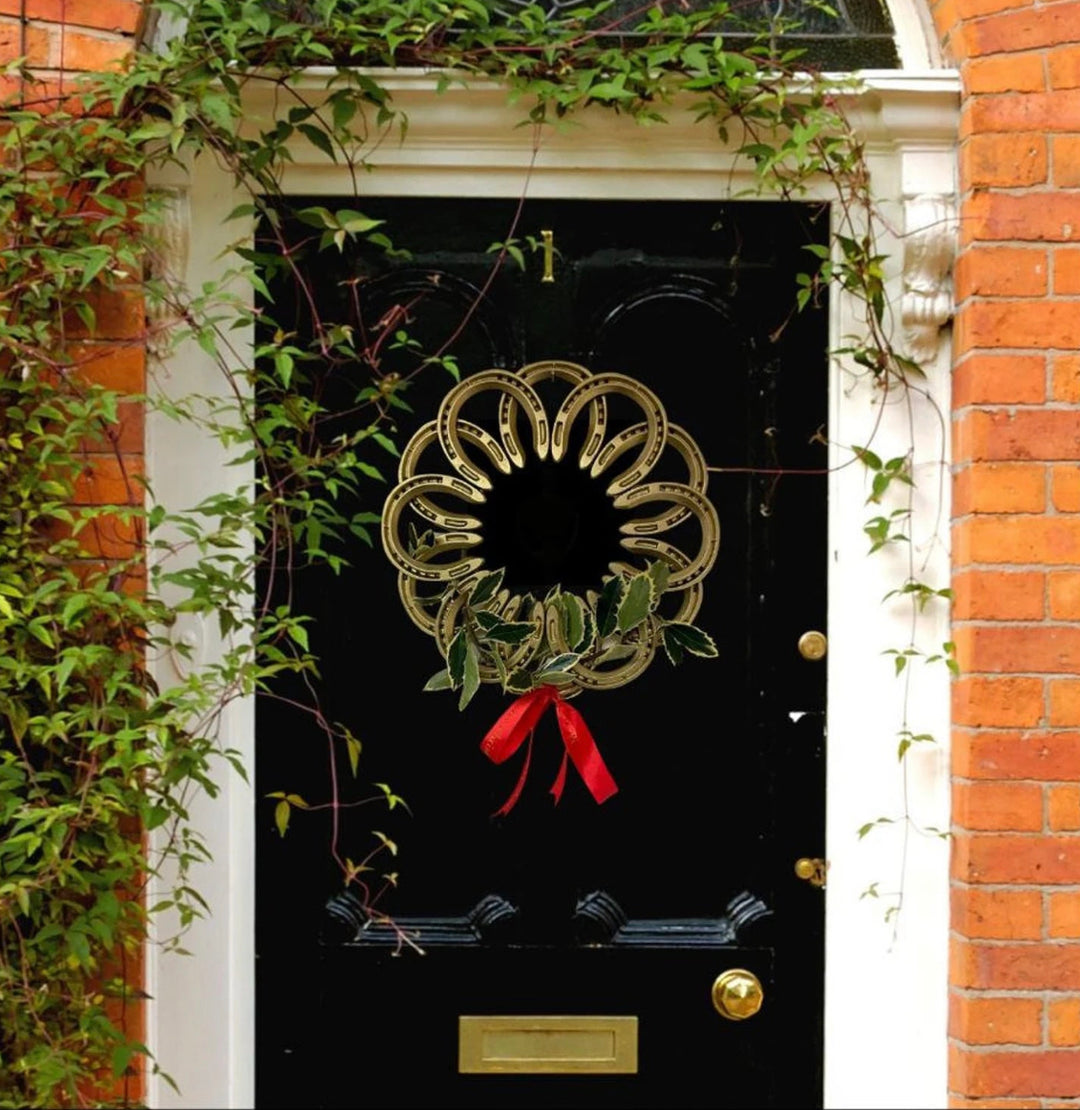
(854,34)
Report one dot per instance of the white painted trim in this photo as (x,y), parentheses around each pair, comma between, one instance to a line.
(885,1019)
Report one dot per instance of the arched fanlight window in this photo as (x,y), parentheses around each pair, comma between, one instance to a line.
(829,34)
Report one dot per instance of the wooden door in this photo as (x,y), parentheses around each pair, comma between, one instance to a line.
(632,908)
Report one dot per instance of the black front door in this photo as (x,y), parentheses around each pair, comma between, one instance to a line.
(629,909)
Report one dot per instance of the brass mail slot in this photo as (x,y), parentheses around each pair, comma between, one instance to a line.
(547,1045)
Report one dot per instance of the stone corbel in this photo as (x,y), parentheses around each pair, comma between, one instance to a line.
(166,265)
(929,250)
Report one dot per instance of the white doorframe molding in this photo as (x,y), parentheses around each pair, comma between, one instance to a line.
(886,995)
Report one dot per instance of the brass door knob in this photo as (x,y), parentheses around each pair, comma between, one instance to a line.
(813,645)
(737,994)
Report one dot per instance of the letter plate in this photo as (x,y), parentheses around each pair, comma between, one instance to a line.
(547,1045)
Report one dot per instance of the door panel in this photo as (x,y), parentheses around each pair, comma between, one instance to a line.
(633,907)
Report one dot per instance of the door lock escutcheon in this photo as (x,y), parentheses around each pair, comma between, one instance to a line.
(811,870)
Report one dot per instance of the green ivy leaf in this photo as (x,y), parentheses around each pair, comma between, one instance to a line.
(282,812)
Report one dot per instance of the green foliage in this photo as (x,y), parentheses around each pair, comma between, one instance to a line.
(91,751)
(560,635)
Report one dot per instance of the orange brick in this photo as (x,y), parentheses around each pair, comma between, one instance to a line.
(88,52)
(972,9)
(1053,1073)
(1001,271)
(1049,756)
(1064,67)
(997,914)
(998,806)
(1027,966)
(998,595)
(998,703)
(1007,73)
(1064,806)
(999,488)
(1008,858)
(1001,380)
(1024,30)
(1030,323)
(1066,160)
(1064,1017)
(1066,488)
(1024,434)
(1067,268)
(1030,217)
(122,368)
(995,1020)
(1017,539)
(1065,376)
(956,1103)
(1022,112)
(41,46)
(121,16)
(107,480)
(1065,595)
(1011,649)
(1005,160)
(1065,914)
(119,315)
(1064,701)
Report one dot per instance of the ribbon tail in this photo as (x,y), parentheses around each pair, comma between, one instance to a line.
(512,801)
(582,749)
(560,779)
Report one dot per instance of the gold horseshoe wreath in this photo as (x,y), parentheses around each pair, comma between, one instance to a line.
(548,649)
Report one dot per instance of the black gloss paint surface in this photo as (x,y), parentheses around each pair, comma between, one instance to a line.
(720,763)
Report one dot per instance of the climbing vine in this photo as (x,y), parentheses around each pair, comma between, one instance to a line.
(98,762)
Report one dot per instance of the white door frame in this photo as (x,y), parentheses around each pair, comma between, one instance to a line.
(885,995)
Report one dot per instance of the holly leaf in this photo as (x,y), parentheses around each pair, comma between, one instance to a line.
(607,605)
(471,677)
(439,681)
(637,601)
(485,588)
(672,648)
(660,573)
(514,632)
(573,619)
(559,663)
(455,658)
(691,638)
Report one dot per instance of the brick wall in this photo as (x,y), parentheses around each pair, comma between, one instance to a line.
(61,38)
(1015,975)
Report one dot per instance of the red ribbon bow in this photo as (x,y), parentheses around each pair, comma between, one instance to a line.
(511,729)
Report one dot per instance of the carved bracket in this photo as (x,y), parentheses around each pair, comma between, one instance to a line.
(929,249)
(166,265)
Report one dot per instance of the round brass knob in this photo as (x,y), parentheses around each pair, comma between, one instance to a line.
(737,994)
(813,645)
